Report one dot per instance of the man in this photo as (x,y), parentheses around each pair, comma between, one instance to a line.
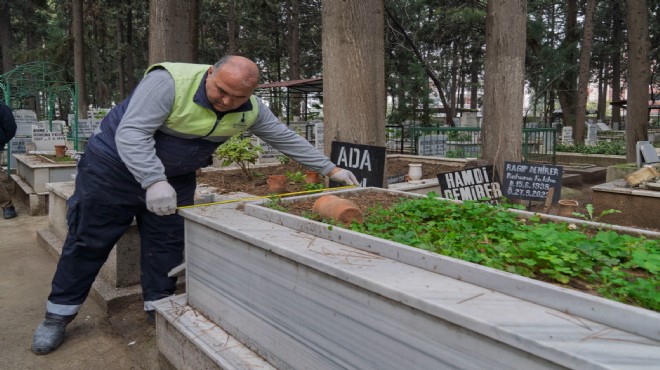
(141,164)
(7,132)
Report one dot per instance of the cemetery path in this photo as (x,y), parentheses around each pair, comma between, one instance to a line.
(93,340)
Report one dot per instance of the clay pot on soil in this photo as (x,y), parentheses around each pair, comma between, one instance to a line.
(312,177)
(414,171)
(276,183)
(60,150)
(341,210)
(567,207)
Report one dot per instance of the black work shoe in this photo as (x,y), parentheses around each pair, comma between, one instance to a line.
(9,212)
(50,333)
(151,317)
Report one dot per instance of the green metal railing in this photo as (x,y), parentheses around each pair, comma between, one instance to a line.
(465,142)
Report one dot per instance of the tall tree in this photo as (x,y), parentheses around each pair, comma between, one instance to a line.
(232,28)
(639,72)
(617,41)
(5,37)
(79,55)
(584,74)
(293,41)
(504,76)
(172,30)
(354,72)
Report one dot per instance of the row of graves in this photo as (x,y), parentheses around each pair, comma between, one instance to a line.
(35,136)
(441,144)
(520,181)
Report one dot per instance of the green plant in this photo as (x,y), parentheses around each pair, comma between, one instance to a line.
(295,176)
(311,187)
(239,151)
(459,136)
(603,147)
(275,202)
(283,159)
(617,266)
(589,216)
(458,153)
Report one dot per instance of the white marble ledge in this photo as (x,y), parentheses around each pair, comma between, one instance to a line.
(548,333)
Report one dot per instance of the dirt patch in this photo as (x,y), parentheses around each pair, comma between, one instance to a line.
(237,181)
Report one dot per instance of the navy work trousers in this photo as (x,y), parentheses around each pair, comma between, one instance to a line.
(106,199)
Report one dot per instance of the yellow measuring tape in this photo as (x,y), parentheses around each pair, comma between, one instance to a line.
(265,196)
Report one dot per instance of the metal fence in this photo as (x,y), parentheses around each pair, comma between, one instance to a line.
(464,142)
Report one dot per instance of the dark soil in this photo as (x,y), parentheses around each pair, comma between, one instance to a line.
(229,181)
(237,180)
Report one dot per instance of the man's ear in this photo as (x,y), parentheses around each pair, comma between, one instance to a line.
(210,70)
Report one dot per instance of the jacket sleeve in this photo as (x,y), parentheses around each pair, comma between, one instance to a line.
(279,136)
(7,125)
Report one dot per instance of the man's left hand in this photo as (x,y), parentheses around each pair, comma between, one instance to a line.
(344,176)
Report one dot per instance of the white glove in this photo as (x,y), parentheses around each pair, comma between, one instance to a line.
(345,176)
(161,198)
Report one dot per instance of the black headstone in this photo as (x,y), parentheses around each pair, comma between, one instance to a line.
(367,162)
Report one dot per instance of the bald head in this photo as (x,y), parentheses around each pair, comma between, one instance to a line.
(230,82)
(242,67)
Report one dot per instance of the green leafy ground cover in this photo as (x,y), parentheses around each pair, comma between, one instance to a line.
(620,267)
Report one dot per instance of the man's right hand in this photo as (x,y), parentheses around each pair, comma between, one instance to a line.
(161,198)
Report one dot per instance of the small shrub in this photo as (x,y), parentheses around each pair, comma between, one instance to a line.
(239,151)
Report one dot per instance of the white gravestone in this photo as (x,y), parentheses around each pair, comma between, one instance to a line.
(567,135)
(45,140)
(24,120)
(269,154)
(432,145)
(602,126)
(318,137)
(592,137)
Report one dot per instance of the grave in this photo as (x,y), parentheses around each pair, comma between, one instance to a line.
(638,207)
(33,172)
(285,278)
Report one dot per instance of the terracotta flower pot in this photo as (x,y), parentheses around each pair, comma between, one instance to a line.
(312,177)
(341,210)
(276,183)
(60,150)
(567,207)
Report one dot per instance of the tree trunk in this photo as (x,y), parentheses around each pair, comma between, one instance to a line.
(232,28)
(171,34)
(79,55)
(121,60)
(617,39)
(584,74)
(639,73)
(354,72)
(603,75)
(5,37)
(130,64)
(504,74)
(567,86)
(293,39)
